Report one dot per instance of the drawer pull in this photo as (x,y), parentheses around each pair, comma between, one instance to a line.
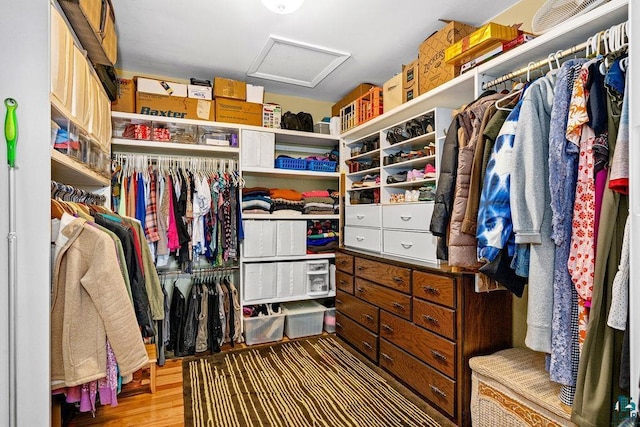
(361,268)
(405,217)
(359,238)
(338,301)
(343,282)
(368,317)
(439,355)
(387,327)
(361,290)
(344,262)
(430,319)
(398,279)
(406,245)
(338,325)
(437,391)
(386,357)
(398,306)
(367,345)
(360,216)
(431,290)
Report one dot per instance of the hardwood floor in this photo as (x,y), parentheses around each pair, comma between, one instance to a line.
(162,409)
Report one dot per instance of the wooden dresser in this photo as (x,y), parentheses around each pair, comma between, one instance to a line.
(421,324)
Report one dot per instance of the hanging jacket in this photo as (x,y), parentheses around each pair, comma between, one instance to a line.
(214,329)
(176,320)
(190,327)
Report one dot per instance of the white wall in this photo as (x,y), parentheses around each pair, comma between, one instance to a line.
(24,75)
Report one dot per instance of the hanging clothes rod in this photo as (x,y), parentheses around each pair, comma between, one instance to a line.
(598,38)
(71,194)
(203,270)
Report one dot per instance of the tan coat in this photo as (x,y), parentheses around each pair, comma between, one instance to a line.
(90,305)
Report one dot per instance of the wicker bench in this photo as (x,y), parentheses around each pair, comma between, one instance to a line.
(511,388)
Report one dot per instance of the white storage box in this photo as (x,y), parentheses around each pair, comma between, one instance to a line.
(318,277)
(291,238)
(290,279)
(61,59)
(330,320)
(258,330)
(255,93)
(259,239)
(200,92)
(304,318)
(80,87)
(258,148)
(259,281)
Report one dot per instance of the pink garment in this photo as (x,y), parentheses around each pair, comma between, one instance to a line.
(316,193)
(172,230)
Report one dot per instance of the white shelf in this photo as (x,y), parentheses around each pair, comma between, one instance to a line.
(364,188)
(131,145)
(288,217)
(331,294)
(69,171)
(289,173)
(290,258)
(413,162)
(367,155)
(412,183)
(364,172)
(418,140)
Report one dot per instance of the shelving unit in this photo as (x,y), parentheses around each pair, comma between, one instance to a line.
(290,258)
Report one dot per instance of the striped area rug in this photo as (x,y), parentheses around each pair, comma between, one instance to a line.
(315,382)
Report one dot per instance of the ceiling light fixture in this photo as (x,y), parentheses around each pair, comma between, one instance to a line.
(282,6)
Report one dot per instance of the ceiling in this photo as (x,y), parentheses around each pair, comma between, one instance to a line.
(223,38)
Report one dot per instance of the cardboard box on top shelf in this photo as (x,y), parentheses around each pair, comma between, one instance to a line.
(392,93)
(356,93)
(161,87)
(410,80)
(433,70)
(228,88)
(241,112)
(255,94)
(199,92)
(126,101)
(173,106)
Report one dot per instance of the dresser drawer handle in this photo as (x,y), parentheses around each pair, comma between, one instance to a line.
(361,268)
(429,319)
(359,238)
(344,262)
(405,217)
(339,301)
(368,317)
(398,279)
(398,306)
(406,245)
(360,216)
(386,357)
(367,345)
(338,325)
(437,391)
(343,282)
(361,290)
(439,355)
(431,290)
(387,327)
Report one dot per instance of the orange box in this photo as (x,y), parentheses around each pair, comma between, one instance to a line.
(174,106)
(234,111)
(227,88)
(126,97)
(356,93)
(392,92)
(410,80)
(433,70)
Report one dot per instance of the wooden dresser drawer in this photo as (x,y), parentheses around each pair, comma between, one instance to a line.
(344,281)
(438,289)
(436,318)
(362,339)
(398,278)
(344,262)
(362,312)
(426,346)
(418,375)
(385,298)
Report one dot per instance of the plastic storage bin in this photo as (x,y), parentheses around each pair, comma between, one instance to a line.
(287,163)
(330,320)
(321,165)
(318,277)
(258,330)
(304,318)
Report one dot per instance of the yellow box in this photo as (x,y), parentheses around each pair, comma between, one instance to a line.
(234,111)
(476,43)
(174,106)
(410,80)
(227,88)
(392,93)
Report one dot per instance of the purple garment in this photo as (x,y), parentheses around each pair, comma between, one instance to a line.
(601,185)
(108,386)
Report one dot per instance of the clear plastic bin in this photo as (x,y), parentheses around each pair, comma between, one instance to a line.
(258,330)
(330,320)
(304,318)
(131,129)
(185,134)
(318,277)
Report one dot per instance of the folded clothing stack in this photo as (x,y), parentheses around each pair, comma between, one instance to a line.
(286,202)
(256,200)
(322,236)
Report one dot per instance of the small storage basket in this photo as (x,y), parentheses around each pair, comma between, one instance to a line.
(321,165)
(296,164)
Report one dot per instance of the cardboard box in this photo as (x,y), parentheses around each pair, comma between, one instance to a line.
(234,111)
(356,93)
(199,92)
(479,42)
(126,101)
(433,70)
(174,106)
(271,116)
(227,88)
(255,94)
(161,87)
(392,93)
(410,80)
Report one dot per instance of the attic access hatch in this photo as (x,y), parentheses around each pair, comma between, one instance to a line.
(294,62)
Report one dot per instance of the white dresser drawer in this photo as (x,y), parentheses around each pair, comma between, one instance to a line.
(415,216)
(363,216)
(410,244)
(362,238)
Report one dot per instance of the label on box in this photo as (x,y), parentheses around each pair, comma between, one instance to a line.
(204,109)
